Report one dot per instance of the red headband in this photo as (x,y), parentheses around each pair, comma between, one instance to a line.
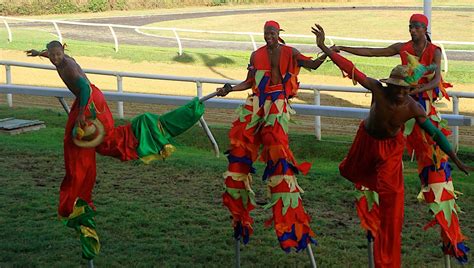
(419,18)
(272,23)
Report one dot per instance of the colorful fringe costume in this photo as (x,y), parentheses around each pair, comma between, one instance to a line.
(263,120)
(433,167)
(146,138)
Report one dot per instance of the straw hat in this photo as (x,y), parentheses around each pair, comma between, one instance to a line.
(397,76)
(91,135)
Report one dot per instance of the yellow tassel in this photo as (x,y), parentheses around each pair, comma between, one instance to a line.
(167,150)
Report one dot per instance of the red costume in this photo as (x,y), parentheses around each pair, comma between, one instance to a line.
(433,167)
(263,120)
(80,162)
(377,165)
(147,138)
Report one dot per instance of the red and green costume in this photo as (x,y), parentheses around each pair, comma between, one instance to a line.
(147,137)
(433,167)
(263,121)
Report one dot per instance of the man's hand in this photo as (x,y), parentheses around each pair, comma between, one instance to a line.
(223,91)
(418,89)
(81,119)
(32,53)
(318,31)
(463,167)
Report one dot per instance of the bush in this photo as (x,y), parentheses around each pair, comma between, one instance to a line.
(98,5)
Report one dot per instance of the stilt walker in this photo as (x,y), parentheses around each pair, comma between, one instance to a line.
(263,121)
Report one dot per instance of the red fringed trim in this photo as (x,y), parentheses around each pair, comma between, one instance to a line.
(451,235)
(236,207)
(369,219)
(293,224)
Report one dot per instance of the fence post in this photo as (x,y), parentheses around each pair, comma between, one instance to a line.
(253,42)
(317,119)
(115,37)
(8,30)
(60,37)
(8,73)
(199,89)
(120,90)
(180,47)
(456,128)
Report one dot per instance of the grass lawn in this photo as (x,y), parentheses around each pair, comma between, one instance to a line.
(170,213)
(459,71)
(356,24)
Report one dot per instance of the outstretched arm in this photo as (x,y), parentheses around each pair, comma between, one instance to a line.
(244,85)
(307,62)
(36,53)
(391,50)
(440,139)
(344,64)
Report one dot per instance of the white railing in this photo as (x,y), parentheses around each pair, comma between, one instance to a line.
(199,81)
(176,31)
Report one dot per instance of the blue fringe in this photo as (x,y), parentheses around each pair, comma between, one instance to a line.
(271,168)
(302,244)
(241,233)
(244,159)
(444,166)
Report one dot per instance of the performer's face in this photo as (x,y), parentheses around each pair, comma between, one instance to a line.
(399,93)
(417,30)
(271,36)
(56,55)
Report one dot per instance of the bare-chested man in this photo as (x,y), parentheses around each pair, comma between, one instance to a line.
(375,158)
(433,166)
(145,138)
(263,120)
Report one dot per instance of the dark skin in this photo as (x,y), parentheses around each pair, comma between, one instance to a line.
(420,42)
(68,70)
(391,106)
(271,36)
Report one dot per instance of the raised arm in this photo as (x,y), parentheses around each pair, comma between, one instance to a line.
(244,85)
(344,64)
(391,50)
(440,139)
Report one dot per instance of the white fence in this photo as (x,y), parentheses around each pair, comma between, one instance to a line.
(176,32)
(317,110)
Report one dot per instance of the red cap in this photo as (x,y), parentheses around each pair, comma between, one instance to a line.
(274,24)
(419,18)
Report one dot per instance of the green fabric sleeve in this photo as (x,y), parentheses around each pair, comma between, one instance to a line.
(437,136)
(85,92)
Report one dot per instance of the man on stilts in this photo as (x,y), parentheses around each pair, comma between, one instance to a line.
(263,120)
(375,158)
(434,170)
(90,129)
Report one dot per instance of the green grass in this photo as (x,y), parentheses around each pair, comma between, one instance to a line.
(356,24)
(170,213)
(459,71)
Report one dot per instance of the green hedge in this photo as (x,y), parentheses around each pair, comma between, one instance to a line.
(41,7)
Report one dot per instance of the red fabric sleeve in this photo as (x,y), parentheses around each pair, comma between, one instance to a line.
(348,67)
